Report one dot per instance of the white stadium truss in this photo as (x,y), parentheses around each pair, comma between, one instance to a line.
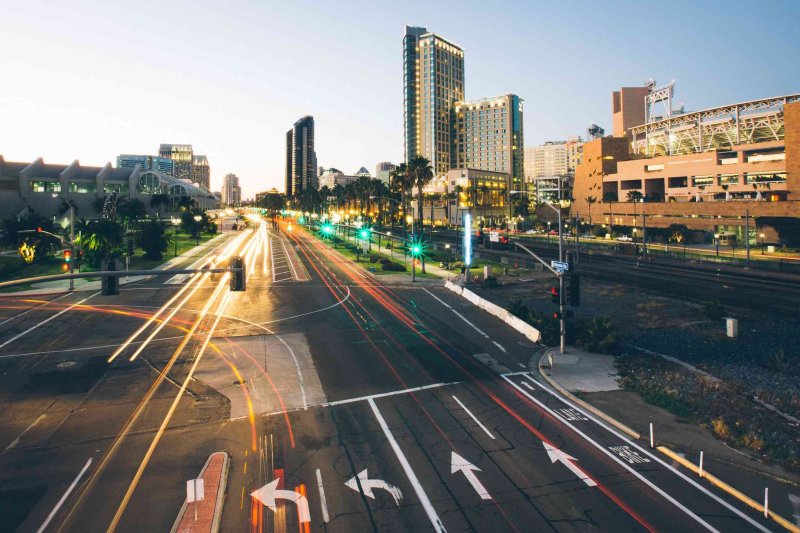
(718,128)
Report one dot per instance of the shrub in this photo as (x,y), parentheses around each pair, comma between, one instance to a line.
(374,258)
(721,428)
(384,260)
(600,336)
(753,441)
(519,309)
(393,267)
(489,282)
(457,265)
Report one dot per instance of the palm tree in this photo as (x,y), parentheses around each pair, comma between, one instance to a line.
(363,186)
(591,200)
(102,237)
(153,239)
(159,200)
(634,196)
(325,194)
(381,191)
(338,194)
(420,169)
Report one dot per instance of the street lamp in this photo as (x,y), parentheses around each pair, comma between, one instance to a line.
(197,219)
(716,242)
(175,222)
(762,242)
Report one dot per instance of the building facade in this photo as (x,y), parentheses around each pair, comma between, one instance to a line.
(231,191)
(433,78)
(483,193)
(333,177)
(147,162)
(383,171)
(201,172)
(186,165)
(721,169)
(488,135)
(43,187)
(301,158)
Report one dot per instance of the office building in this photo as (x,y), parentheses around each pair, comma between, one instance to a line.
(44,186)
(182,156)
(333,177)
(383,171)
(489,136)
(720,169)
(301,159)
(201,172)
(484,193)
(231,191)
(433,78)
(550,168)
(147,162)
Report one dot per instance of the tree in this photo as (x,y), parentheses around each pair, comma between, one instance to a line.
(153,239)
(102,238)
(610,196)
(521,205)
(635,196)
(591,200)
(130,210)
(677,233)
(420,169)
(11,237)
(158,200)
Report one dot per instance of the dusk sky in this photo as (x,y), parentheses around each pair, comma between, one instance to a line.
(89,80)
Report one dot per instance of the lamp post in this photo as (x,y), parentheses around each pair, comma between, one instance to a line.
(197,219)
(716,242)
(762,242)
(175,222)
(71,240)
(561,296)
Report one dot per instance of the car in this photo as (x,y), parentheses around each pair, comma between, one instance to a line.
(588,236)
(532,232)
(624,238)
(553,232)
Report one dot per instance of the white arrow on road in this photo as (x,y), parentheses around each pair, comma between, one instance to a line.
(557,455)
(270,492)
(368,484)
(459,463)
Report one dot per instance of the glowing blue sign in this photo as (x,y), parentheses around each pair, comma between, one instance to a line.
(467,239)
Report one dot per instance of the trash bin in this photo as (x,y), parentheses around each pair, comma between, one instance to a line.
(732,327)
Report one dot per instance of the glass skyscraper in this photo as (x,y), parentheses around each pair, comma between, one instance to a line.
(147,162)
(301,158)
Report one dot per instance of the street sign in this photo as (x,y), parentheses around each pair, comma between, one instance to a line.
(195,490)
(494,236)
(561,266)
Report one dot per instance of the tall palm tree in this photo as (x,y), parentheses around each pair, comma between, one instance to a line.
(422,173)
(381,191)
(325,194)
(591,200)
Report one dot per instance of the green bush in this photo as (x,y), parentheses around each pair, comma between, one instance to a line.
(384,260)
(519,309)
(393,267)
(600,335)
(374,258)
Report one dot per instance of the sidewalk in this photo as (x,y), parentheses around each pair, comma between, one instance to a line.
(82,284)
(208,510)
(589,380)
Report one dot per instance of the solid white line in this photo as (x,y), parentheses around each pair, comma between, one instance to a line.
(437,298)
(530,387)
(499,346)
(272,259)
(462,317)
(412,477)
(385,394)
(294,272)
(34,308)
(45,321)
(616,459)
(464,407)
(322,502)
(653,457)
(16,441)
(64,497)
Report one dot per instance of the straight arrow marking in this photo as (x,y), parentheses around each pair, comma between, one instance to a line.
(458,463)
(270,492)
(566,459)
(368,484)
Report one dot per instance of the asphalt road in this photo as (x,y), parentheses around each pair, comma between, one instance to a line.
(388,408)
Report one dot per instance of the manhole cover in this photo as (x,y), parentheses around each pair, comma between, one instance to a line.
(65,364)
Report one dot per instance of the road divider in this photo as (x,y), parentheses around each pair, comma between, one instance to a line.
(516,323)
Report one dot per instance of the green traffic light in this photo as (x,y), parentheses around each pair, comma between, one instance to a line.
(416,249)
(327,229)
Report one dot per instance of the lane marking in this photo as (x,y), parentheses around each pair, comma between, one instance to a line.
(385,394)
(412,477)
(294,272)
(646,452)
(46,320)
(619,461)
(528,385)
(464,407)
(64,497)
(437,298)
(462,317)
(34,308)
(31,426)
(323,503)
(499,346)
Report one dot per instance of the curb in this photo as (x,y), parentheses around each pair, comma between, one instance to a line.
(219,502)
(666,451)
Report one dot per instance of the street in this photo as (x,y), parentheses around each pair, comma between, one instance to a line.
(344,404)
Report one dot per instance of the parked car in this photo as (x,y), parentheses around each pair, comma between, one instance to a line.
(588,236)
(624,238)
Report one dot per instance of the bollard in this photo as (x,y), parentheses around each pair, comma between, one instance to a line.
(651,435)
(700,471)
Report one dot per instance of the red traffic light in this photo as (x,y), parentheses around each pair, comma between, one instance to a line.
(39,230)
(67,256)
(555,296)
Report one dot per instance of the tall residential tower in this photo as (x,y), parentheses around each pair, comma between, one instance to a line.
(301,159)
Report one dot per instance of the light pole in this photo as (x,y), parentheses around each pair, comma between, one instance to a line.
(762,243)
(716,242)
(405,231)
(175,222)
(197,219)
(71,241)
(562,305)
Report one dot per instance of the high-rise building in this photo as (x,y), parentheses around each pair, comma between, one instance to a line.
(182,155)
(201,172)
(383,171)
(231,191)
(146,162)
(301,159)
(433,78)
(553,158)
(488,135)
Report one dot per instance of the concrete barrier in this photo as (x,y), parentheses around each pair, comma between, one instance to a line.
(530,332)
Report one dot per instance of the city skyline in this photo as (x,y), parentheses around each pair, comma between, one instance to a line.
(99,109)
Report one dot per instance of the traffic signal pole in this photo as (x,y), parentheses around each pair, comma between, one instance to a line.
(71,247)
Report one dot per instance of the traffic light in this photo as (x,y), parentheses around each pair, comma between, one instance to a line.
(574,290)
(567,314)
(555,295)
(364,234)
(327,229)
(416,249)
(67,256)
(237,274)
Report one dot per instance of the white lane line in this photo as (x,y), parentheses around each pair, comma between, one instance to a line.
(464,407)
(272,258)
(644,451)
(619,461)
(294,272)
(64,497)
(385,394)
(528,385)
(16,441)
(412,477)
(437,298)
(34,308)
(499,346)
(46,320)
(322,502)
(462,317)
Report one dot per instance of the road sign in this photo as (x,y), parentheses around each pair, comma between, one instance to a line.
(560,266)
(494,236)
(195,490)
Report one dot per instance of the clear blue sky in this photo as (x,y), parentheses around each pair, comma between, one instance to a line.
(88,80)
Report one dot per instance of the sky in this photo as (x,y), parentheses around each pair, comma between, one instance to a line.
(89,80)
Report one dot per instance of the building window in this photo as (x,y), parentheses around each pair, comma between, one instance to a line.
(765,177)
(702,181)
(45,186)
(729,179)
(119,188)
(82,187)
